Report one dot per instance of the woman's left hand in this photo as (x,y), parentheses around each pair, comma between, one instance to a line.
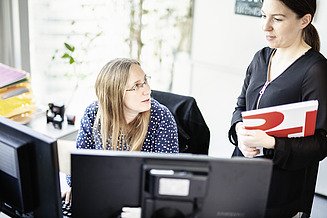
(257,138)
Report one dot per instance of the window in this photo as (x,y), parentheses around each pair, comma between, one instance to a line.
(71,40)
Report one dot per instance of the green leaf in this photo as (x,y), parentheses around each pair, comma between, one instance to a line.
(65,56)
(69,47)
(71,60)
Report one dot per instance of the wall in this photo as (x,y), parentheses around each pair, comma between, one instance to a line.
(223,46)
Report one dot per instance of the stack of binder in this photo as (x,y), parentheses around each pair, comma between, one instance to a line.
(16,98)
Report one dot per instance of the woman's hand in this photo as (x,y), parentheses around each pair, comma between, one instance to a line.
(250,140)
(67,195)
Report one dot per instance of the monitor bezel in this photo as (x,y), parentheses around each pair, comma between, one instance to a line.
(96,176)
(46,181)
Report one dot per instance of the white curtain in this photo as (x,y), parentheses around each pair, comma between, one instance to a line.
(6,33)
(14,34)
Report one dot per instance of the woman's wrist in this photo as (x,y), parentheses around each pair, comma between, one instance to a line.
(271,142)
(238,125)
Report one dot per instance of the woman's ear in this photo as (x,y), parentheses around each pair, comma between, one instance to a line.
(306,20)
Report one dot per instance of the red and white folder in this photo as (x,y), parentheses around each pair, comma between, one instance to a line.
(289,120)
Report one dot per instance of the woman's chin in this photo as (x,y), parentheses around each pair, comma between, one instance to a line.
(145,107)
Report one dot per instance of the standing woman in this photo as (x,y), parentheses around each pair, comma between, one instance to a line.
(289,70)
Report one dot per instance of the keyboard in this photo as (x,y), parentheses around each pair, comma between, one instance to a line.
(66,209)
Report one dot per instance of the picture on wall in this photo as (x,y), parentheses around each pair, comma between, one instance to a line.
(248,7)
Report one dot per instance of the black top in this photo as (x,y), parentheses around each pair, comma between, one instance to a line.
(295,159)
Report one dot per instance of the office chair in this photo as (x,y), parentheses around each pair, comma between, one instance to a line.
(193,132)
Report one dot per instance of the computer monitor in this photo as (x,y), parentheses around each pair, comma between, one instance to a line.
(168,185)
(29,172)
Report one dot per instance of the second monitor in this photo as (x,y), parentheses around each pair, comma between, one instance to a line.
(168,185)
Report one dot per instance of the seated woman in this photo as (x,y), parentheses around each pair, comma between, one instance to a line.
(125,117)
(125,112)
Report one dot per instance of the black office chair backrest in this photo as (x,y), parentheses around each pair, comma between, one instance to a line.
(193,132)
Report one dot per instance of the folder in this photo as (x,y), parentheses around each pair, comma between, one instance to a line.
(289,120)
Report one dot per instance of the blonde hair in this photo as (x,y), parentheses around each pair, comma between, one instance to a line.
(110,87)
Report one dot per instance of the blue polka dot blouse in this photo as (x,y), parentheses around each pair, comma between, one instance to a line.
(162,135)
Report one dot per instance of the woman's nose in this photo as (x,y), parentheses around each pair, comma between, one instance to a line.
(146,90)
(266,25)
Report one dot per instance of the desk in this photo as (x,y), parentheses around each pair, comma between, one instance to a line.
(39,124)
(65,147)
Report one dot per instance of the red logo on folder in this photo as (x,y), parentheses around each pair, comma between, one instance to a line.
(290,120)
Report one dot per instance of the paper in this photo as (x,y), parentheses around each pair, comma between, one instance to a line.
(10,75)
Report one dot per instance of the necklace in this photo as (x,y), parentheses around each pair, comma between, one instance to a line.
(267,80)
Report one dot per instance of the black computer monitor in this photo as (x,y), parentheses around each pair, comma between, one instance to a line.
(29,172)
(164,185)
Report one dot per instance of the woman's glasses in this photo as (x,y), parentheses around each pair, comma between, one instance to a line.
(137,86)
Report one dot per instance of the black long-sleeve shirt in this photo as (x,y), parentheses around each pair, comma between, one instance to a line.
(295,159)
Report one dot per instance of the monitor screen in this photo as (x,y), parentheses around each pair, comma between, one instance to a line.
(29,172)
(168,185)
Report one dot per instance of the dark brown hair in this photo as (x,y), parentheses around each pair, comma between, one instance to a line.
(301,8)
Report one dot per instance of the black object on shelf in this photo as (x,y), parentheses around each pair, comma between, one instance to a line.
(71,119)
(55,114)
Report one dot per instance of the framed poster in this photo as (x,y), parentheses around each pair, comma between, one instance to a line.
(248,7)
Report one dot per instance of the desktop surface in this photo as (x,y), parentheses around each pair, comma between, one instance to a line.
(193,185)
(39,124)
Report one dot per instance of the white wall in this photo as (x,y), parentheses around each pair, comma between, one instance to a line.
(223,46)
